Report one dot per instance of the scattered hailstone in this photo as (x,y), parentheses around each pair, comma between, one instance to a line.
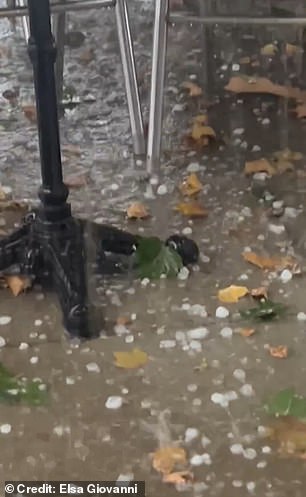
(113,402)
(251,485)
(237,483)
(197,460)
(197,310)
(191,434)
(4,320)
(286,276)
(198,333)
(183,274)
(219,399)
(250,453)
(222,312)
(195,346)
(193,167)
(236,449)
(187,231)
(2,342)
(69,380)
(34,360)
(5,428)
(247,390)
(238,131)
(301,316)
(266,450)
(226,332)
(205,441)
(206,459)
(23,346)
(93,367)
(231,395)
(162,190)
(239,374)
(167,344)
(38,322)
(125,478)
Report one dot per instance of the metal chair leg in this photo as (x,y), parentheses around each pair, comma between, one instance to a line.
(60,31)
(159,53)
(130,77)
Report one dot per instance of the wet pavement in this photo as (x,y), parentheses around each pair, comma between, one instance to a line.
(204,384)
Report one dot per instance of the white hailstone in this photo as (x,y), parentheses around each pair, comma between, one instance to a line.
(198,333)
(197,460)
(216,398)
(205,441)
(162,190)
(239,374)
(251,485)
(235,67)
(301,316)
(237,483)
(120,330)
(113,402)
(187,231)
(247,390)
(114,187)
(59,430)
(2,342)
(129,339)
(265,121)
(206,459)
(286,276)
(226,332)
(236,449)
(263,431)
(250,453)
(4,320)
(145,282)
(266,449)
(193,167)
(231,395)
(23,346)
(34,360)
(222,312)
(277,229)
(243,277)
(167,344)
(192,387)
(183,274)
(261,464)
(69,380)
(195,345)
(93,367)
(5,429)
(125,478)
(238,131)
(38,322)
(191,434)
(197,310)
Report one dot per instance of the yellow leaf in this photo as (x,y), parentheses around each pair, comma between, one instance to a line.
(131,360)
(194,89)
(247,332)
(137,211)
(166,458)
(191,185)
(270,263)
(280,352)
(269,49)
(18,284)
(201,119)
(259,166)
(178,478)
(192,209)
(292,50)
(199,131)
(232,294)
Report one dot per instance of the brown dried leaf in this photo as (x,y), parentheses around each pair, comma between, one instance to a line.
(260,293)
(11,205)
(279,352)
(71,149)
(287,155)
(193,88)
(137,211)
(76,180)
(290,433)
(247,332)
(18,284)
(259,166)
(133,359)
(269,263)
(178,478)
(192,209)
(191,185)
(30,113)
(166,458)
(123,320)
(232,294)
(199,131)
(246,84)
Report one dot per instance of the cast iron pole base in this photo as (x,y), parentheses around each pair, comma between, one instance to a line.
(56,252)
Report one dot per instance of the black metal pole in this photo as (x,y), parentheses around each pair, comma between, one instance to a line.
(53,192)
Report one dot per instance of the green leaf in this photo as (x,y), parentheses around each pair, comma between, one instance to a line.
(154,258)
(15,391)
(287,403)
(266,310)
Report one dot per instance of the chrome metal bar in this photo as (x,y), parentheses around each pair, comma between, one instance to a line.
(25,20)
(157,86)
(130,77)
(263,21)
(60,7)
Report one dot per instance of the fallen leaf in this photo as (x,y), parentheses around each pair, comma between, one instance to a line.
(245,60)
(269,49)
(191,185)
(178,478)
(193,88)
(300,111)
(292,50)
(30,113)
(287,154)
(131,360)
(266,310)
(166,458)
(12,205)
(247,332)
(137,211)
(76,180)
(259,166)
(290,433)
(123,320)
(232,294)
(269,263)
(2,194)
(154,259)
(280,352)
(247,84)
(18,284)
(199,131)
(260,293)
(71,149)
(287,403)
(192,209)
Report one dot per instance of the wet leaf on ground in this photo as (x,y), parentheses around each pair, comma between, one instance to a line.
(71,149)
(133,359)
(249,84)
(287,403)
(247,332)
(167,458)
(232,294)
(260,293)
(178,478)
(290,433)
(137,211)
(18,284)
(30,113)
(191,185)
(279,352)
(275,263)
(266,310)
(76,180)
(300,111)
(14,390)
(193,88)
(259,166)
(154,259)
(191,209)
